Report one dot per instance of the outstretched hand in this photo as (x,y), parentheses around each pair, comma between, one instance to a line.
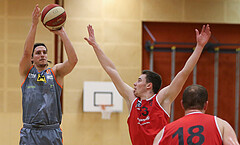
(91,40)
(204,36)
(35,15)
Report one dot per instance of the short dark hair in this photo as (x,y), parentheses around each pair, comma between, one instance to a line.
(154,78)
(38,44)
(194,97)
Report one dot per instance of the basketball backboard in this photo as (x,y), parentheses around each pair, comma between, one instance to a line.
(97,94)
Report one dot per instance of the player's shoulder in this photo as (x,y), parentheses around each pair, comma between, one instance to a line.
(55,67)
(221,122)
(162,94)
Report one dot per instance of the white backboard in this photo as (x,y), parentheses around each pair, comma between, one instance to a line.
(96,94)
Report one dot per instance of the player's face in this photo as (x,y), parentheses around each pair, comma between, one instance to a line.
(140,86)
(40,56)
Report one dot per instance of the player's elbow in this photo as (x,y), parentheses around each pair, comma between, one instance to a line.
(112,71)
(74,61)
(184,74)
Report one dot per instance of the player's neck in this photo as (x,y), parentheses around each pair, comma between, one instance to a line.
(193,111)
(41,67)
(146,95)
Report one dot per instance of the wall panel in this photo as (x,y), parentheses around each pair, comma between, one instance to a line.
(183,32)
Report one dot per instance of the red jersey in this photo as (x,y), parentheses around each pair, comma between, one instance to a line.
(146,119)
(194,128)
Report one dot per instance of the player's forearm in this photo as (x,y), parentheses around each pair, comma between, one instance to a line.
(193,59)
(25,62)
(106,63)
(71,54)
(28,46)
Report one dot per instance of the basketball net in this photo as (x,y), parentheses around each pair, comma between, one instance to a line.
(106,111)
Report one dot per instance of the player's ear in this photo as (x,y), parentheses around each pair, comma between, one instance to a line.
(32,60)
(149,85)
(182,104)
(205,106)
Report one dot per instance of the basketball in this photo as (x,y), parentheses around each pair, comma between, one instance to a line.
(53,16)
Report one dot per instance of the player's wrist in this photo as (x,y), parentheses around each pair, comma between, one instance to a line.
(34,25)
(94,44)
(200,45)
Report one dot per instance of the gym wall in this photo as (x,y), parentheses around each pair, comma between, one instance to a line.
(227,34)
(118,28)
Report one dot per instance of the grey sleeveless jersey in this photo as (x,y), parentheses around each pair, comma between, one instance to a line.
(41,98)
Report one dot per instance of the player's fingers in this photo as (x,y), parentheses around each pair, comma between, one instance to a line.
(91,31)
(208,28)
(197,32)
(36,11)
(86,39)
(36,8)
(203,28)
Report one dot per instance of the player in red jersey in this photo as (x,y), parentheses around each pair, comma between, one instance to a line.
(196,127)
(149,108)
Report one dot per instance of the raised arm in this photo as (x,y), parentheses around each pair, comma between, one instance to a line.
(125,90)
(167,95)
(67,66)
(25,62)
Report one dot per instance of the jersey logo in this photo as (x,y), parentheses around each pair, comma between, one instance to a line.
(150,102)
(139,103)
(49,77)
(48,71)
(31,87)
(41,78)
(31,76)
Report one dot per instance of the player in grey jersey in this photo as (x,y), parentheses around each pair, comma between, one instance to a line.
(41,88)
